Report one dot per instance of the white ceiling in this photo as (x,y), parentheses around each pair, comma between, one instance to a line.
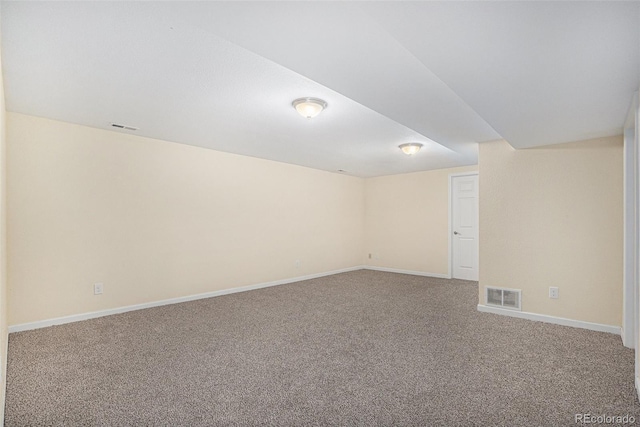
(222,75)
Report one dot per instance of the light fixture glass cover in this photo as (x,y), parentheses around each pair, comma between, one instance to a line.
(410,148)
(309,107)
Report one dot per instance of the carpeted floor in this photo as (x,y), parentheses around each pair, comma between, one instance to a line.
(356,349)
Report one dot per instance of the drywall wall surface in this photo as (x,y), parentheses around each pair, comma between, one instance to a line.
(552,216)
(4,335)
(155,220)
(407,221)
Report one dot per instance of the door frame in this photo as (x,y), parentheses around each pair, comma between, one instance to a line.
(630,331)
(450,206)
(630,239)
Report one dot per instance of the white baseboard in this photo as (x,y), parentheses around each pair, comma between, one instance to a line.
(108,312)
(550,319)
(413,273)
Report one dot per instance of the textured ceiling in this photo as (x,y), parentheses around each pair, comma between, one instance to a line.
(222,75)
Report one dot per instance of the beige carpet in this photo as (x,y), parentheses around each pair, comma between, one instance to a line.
(356,349)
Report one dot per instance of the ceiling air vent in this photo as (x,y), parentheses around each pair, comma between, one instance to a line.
(119,126)
(503,297)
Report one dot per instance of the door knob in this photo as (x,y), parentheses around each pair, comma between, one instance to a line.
(456,233)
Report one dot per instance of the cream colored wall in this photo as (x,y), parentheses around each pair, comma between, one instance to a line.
(4,335)
(407,220)
(552,216)
(154,220)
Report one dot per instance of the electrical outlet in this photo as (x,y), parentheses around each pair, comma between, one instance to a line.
(554,292)
(369,256)
(297,264)
(98,288)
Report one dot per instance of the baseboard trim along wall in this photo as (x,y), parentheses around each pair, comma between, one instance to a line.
(550,319)
(413,273)
(108,312)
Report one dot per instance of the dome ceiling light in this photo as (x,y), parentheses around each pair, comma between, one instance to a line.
(309,107)
(410,148)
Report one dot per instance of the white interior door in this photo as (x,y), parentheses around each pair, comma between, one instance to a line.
(464,227)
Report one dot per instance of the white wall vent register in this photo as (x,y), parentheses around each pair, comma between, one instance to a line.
(119,126)
(503,297)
